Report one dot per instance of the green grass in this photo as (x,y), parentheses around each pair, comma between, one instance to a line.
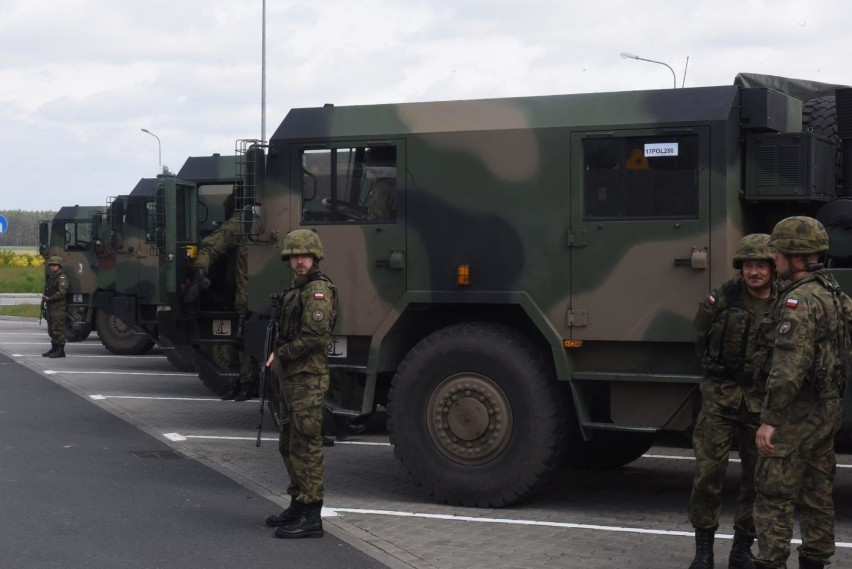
(21,279)
(27,310)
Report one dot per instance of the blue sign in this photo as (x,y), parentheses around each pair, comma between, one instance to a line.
(3,224)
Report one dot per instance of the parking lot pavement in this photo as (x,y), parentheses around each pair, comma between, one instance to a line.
(629,517)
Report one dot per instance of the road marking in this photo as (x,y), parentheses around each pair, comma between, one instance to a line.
(54,371)
(75,356)
(98,397)
(332,512)
(179,437)
(685,457)
(22,333)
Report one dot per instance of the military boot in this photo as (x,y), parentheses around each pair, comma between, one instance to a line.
(703,549)
(741,557)
(50,351)
(807,563)
(59,352)
(235,390)
(308,523)
(287,516)
(199,282)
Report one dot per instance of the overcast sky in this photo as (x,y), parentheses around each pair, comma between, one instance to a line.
(80,78)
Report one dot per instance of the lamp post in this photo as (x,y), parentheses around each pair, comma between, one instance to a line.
(626,55)
(159,148)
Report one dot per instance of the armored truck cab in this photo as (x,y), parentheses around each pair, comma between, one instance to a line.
(72,235)
(518,277)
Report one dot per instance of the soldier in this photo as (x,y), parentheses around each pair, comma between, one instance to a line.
(225,240)
(733,330)
(54,299)
(305,316)
(802,409)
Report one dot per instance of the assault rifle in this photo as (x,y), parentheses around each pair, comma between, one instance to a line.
(42,314)
(268,346)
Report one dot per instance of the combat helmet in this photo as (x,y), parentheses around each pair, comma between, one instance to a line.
(799,235)
(54,260)
(754,247)
(302,242)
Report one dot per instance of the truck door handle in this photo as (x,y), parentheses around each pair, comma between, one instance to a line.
(395,261)
(698,260)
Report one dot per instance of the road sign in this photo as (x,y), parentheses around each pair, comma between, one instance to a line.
(3,224)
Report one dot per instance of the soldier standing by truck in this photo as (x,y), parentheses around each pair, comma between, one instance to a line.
(733,328)
(305,319)
(226,240)
(802,410)
(54,299)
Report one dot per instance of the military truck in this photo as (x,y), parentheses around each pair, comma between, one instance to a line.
(72,235)
(518,276)
(139,283)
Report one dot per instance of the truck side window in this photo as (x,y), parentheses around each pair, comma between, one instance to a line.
(78,235)
(653,177)
(349,185)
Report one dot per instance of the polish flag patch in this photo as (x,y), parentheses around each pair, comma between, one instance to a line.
(319,296)
(792,303)
(711,300)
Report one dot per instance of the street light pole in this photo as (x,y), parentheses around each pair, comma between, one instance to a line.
(159,148)
(626,55)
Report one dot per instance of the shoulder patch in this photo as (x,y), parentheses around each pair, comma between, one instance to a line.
(711,300)
(318,316)
(792,302)
(784,327)
(319,296)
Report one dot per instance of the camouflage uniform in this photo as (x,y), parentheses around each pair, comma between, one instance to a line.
(55,290)
(734,333)
(222,242)
(305,316)
(803,403)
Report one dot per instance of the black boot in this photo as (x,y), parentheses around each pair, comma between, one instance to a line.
(308,523)
(50,351)
(235,390)
(59,352)
(741,557)
(703,549)
(199,282)
(807,563)
(248,390)
(287,516)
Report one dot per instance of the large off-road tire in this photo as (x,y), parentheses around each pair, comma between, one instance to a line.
(607,450)
(820,116)
(119,338)
(182,357)
(476,415)
(75,329)
(214,362)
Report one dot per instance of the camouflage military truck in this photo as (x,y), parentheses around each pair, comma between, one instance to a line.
(518,277)
(139,280)
(72,235)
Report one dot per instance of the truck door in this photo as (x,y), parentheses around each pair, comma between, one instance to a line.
(639,233)
(353,194)
(172,226)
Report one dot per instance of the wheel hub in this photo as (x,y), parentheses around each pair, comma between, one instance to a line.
(469,418)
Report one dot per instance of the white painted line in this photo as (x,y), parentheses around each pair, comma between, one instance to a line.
(331,512)
(174,437)
(54,371)
(76,356)
(22,333)
(102,397)
(224,438)
(683,457)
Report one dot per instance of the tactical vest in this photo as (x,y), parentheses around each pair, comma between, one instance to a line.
(831,358)
(289,329)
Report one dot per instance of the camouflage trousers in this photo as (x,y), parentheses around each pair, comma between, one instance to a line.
(56,322)
(712,440)
(300,438)
(799,473)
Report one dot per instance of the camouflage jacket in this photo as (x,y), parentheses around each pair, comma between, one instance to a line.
(56,287)
(221,242)
(810,357)
(306,316)
(734,343)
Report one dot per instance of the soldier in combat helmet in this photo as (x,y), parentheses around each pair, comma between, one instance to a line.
(226,240)
(55,290)
(802,410)
(734,331)
(305,317)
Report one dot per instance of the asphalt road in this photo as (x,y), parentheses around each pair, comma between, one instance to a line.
(76,437)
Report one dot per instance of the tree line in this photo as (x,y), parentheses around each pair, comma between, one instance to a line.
(22,230)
